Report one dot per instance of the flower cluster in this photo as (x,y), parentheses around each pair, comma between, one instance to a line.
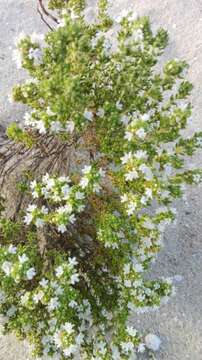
(79,272)
(64,201)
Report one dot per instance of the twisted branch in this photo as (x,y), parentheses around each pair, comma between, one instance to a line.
(47,13)
(46,152)
(42,11)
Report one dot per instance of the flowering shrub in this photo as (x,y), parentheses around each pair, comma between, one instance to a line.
(57,190)
(77,256)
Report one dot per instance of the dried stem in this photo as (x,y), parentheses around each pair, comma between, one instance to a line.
(43,19)
(45,12)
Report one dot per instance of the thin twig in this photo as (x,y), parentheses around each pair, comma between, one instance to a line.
(47,13)
(43,19)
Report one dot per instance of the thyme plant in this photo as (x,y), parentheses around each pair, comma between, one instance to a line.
(73,260)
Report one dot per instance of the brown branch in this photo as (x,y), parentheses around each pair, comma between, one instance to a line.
(43,19)
(46,12)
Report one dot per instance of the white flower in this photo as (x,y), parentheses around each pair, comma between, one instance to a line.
(131,208)
(141,133)
(144,200)
(33,184)
(70,126)
(38,297)
(36,55)
(79,195)
(197,178)
(88,115)
(145,117)
(12,249)
(66,191)
(6,267)
(55,126)
(72,218)
(126,158)
(59,271)
(131,331)
(57,337)
(70,350)
(137,35)
(152,342)
(96,38)
(49,183)
(72,262)
(111,41)
(127,346)
(126,269)
(167,169)
(119,105)
(43,282)
(148,193)
(31,207)
(125,120)
(100,112)
(53,304)
(124,198)
(39,222)
(11,311)
(65,209)
(68,327)
(72,304)
(96,188)
(101,172)
(115,353)
(41,126)
(131,175)
(28,219)
(44,210)
(146,171)
(23,258)
(79,339)
(139,268)
(128,283)
(74,278)
(128,135)
(31,273)
(64,179)
(87,169)
(50,112)
(2,297)
(28,118)
(140,154)
(84,182)
(62,228)
(141,348)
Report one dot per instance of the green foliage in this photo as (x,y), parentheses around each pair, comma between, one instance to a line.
(76,5)
(78,259)
(15,133)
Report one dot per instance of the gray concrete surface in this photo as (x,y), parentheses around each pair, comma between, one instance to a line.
(178,323)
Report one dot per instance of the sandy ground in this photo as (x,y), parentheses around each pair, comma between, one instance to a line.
(178,323)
